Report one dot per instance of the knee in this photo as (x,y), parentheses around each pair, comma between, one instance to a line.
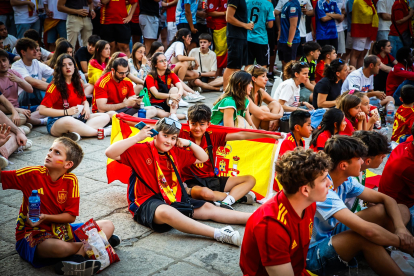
(163,213)
(405,213)
(265,108)
(251,180)
(207,194)
(106,226)
(174,90)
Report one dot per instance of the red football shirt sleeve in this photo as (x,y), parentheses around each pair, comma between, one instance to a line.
(100,92)
(126,157)
(174,78)
(321,141)
(184,157)
(273,249)
(149,80)
(50,96)
(130,89)
(9,180)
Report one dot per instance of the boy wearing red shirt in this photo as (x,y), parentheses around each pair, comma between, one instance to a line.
(201,178)
(277,235)
(113,94)
(154,191)
(404,117)
(52,237)
(114,23)
(300,126)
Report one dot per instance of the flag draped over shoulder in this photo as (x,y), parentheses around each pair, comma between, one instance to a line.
(245,157)
(364,19)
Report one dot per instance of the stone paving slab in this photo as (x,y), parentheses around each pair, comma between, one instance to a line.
(8,213)
(184,269)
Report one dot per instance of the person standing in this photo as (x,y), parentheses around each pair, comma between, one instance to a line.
(326,14)
(149,20)
(26,16)
(7,16)
(55,23)
(400,28)
(78,20)
(384,8)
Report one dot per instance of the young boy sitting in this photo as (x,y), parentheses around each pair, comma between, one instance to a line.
(312,50)
(201,178)
(332,246)
(207,60)
(404,117)
(328,53)
(300,126)
(277,235)
(155,189)
(52,237)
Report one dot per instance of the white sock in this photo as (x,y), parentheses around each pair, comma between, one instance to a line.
(43,121)
(229,200)
(217,233)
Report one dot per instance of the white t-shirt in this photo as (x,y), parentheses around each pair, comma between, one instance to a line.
(52,6)
(9,42)
(339,25)
(289,92)
(384,6)
(21,14)
(37,70)
(357,80)
(208,61)
(45,53)
(176,49)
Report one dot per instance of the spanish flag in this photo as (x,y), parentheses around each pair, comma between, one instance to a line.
(364,19)
(95,70)
(246,157)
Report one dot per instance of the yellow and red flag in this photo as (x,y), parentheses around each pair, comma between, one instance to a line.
(364,19)
(245,157)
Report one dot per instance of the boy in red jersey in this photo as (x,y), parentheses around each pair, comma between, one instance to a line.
(52,237)
(404,117)
(300,126)
(154,191)
(201,178)
(277,235)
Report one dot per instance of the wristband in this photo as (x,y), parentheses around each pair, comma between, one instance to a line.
(289,43)
(189,145)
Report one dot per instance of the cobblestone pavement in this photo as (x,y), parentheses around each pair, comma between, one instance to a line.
(142,252)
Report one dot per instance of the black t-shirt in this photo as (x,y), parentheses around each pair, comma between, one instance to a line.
(241,15)
(325,86)
(82,55)
(149,7)
(76,4)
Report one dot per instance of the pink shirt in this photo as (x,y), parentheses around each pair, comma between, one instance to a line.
(10,89)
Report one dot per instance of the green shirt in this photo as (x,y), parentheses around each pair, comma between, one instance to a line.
(228,102)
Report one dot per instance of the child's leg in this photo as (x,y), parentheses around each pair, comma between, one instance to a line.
(174,105)
(207,194)
(54,248)
(239,186)
(347,244)
(107,227)
(210,212)
(70,124)
(387,100)
(181,69)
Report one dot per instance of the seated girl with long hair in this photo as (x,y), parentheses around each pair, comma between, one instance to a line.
(263,116)
(156,47)
(232,108)
(63,96)
(350,105)
(98,61)
(138,66)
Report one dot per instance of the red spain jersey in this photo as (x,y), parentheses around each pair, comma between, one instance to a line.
(349,129)
(404,119)
(61,196)
(203,170)
(139,157)
(171,11)
(276,235)
(109,89)
(216,23)
(321,141)
(151,82)
(53,98)
(290,144)
(115,11)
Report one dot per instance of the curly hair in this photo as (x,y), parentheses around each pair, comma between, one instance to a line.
(301,167)
(59,78)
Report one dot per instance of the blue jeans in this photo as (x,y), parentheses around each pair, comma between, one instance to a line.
(21,28)
(59,29)
(382,35)
(396,44)
(397,93)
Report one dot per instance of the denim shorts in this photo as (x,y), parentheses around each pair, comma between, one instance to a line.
(322,259)
(50,122)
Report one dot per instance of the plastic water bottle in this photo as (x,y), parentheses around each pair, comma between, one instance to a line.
(390,113)
(34,206)
(142,113)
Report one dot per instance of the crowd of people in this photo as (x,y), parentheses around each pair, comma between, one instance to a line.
(71,65)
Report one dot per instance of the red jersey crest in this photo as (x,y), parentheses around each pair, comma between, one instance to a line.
(62,196)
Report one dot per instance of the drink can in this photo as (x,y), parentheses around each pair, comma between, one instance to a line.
(101,135)
(204,5)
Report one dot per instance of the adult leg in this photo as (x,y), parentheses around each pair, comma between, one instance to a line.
(86,32)
(378,215)
(73,27)
(226,76)
(98,120)
(361,57)
(386,101)
(138,88)
(88,90)
(35,118)
(112,44)
(205,86)
(239,186)
(191,75)
(70,124)
(151,112)
(181,69)
(347,244)
(21,28)
(354,57)
(260,123)
(217,82)
(124,48)
(9,147)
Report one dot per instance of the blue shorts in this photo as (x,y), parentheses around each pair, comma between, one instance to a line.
(27,252)
(50,122)
(322,259)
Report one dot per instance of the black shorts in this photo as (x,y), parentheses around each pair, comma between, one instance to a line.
(271,41)
(332,42)
(120,33)
(164,106)
(135,29)
(194,182)
(258,52)
(146,212)
(128,110)
(300,51)
(194,37)
(287,53)
(237,53)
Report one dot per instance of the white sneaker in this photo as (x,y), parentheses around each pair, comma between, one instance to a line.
(199,96)
(174,117)
(182,103)
(249,198)
(73,136)
(25,129)
(3,162)
(198,90)
(108,130)
(191,98)
(228,235)
(29,125)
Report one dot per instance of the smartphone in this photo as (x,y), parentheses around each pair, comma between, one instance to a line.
(141,125)
(140,97)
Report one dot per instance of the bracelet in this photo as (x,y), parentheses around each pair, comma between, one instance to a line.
(199,74)
(189,145)
(289,43)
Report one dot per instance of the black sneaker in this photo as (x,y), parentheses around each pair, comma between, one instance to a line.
(223,205)
(77,265)
(114,241)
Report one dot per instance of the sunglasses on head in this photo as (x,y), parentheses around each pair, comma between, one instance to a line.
(171,122)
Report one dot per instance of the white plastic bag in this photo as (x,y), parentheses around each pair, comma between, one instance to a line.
(404,261)
(97,245)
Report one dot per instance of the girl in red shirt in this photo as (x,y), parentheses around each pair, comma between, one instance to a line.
(328,54)
(333,122)
(63,96)
(351,106)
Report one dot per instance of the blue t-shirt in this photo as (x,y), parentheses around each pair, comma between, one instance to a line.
(326,30)
(180,11)
(259,12)
(324,221)
(289,10)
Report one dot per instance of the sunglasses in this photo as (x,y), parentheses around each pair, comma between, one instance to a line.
(171,122)
(299,63)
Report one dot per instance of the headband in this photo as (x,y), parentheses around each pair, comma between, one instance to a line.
(351,91)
